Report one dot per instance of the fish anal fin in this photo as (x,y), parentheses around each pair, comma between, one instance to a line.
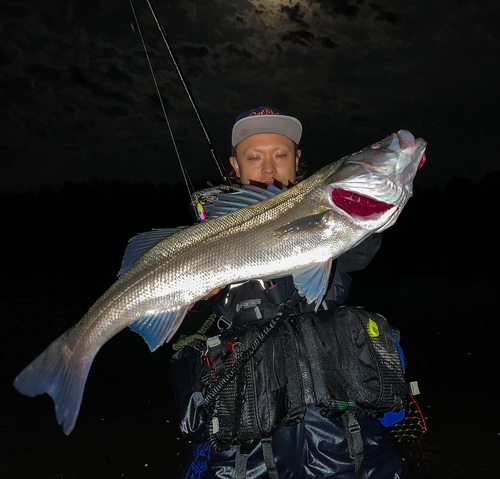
(312,281)
(157,328)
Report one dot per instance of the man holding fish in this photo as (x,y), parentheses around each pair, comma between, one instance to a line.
(265,151)
(256,235)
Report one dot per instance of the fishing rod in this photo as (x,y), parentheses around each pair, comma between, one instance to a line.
(213,151)
(185,174)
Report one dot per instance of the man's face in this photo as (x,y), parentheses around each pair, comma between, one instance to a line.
(266,156)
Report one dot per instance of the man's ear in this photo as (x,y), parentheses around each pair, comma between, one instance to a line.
(297,158)
(234,164)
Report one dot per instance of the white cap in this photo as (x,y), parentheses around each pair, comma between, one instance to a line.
(265,120)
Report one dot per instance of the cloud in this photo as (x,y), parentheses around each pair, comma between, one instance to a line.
(384,15)
(4,57)
(17,88)
(47,72)
(298,37)
(10,54)
(328,43)
(113,110)
(295,15)
(339,7)
(190,51)
(233,49)
(119,74)
(190,8)
(82,78)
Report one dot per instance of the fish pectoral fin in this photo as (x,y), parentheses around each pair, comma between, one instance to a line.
(302,225)
(312,281)
(142,243)
(158,328)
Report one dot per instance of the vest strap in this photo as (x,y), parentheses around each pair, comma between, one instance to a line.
(241,460)
(354,442)
(267,452)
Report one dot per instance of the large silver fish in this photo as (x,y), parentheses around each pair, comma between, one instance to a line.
(298,231)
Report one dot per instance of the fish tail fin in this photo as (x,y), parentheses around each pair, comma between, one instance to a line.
(60,374)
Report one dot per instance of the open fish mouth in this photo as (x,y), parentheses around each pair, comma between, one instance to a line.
(384,181)
(359,205)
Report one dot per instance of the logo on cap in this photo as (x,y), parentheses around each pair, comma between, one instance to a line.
(261,110)
(264,111)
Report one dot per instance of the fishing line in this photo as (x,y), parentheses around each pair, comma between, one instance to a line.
(213,151)
(183,169)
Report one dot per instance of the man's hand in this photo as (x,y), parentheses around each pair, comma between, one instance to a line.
(213,293)
(208,296)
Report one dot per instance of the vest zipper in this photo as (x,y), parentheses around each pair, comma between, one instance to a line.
(304,372)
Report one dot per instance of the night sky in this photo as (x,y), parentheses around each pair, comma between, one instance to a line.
(79,103)
(79,110)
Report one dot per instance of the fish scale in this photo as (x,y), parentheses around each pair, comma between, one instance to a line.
(296,232)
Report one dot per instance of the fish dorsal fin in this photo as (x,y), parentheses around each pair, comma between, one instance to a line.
(312,281)
(243,196)
(157,328)
(142,243)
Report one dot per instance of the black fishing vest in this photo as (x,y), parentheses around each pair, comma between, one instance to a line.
(258,301)
(274,360)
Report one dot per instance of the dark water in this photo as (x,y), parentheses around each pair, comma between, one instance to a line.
(435,277)
(128,426)
(448,339)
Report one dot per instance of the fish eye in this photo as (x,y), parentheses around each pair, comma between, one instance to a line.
(375,146)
